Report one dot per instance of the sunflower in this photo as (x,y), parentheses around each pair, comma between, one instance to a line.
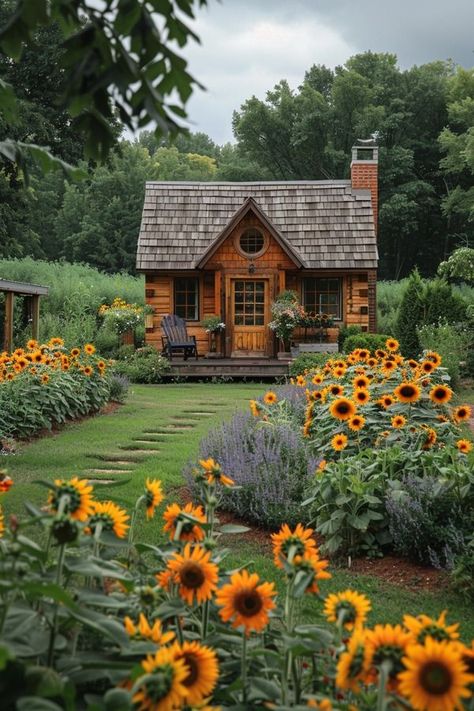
(423,626)
(342,409)
(361,381)
(339,442)
(434,357)
(380,354)
(75,352)
(79,503)
(245,601)
(413,364)
(430,438)
(317,379)
(386,643)
(361,396)
(89,348)
(339,372)
(316,395)
(194,573)
(356,423)
(270,398)
(5,482)
(427,367)
(87,370)
(440,394)
(322,465)
(388,367)
(348,607)
(336,390)
(300,381)
(162,688)
(110,516)
(45,379)
(398,422)
(287,544)
(352,665)
(315,566)
(363,354)
(255,408)
(190,530)
(435,676)
(464,446)
(202,667)
(461,413)
(56,342)
(392,345)
(32,344)
(143,630)
(214,473)
(386,401)
(153,496)
(407,392)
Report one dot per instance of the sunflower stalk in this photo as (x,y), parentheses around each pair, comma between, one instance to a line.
(382,700)
(140,500)
(244,667)
(54,624)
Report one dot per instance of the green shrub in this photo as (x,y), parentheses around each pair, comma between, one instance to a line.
(345,332)
(370,341)
(118,387)
(442,304)
(389,297)
(463,571)
(145,365)
(411,316)
(306,361)
(451,342)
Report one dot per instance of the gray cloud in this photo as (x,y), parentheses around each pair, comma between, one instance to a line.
(248,46)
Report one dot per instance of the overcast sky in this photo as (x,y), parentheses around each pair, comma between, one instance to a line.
(247,46)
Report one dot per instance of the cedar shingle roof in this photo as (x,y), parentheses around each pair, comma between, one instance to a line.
(327,223)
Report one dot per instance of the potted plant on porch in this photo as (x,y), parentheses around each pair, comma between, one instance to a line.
(286,314)
(213,325)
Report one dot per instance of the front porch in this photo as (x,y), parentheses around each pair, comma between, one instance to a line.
(259,368)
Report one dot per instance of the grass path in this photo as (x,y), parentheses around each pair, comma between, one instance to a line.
(153,435)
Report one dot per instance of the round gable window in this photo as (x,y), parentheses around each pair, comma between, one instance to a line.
(252,242)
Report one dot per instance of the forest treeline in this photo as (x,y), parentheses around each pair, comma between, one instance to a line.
(423,118)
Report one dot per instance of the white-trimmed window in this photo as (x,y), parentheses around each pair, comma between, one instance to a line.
(323,295)
(186,298)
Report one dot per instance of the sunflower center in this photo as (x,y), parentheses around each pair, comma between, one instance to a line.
(248,603)
(407,391)
(191,575)
(193,667)
(343,408)
(159,685)
(435,678)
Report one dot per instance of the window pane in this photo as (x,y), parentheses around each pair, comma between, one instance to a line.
(186,298)
(322,295)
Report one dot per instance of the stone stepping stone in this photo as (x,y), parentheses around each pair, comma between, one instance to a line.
(204,413)
(96,482)
(111,471)
(114,458)
(120,462)
(142,451)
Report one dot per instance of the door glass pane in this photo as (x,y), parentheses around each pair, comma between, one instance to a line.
(259,320)
(239,320)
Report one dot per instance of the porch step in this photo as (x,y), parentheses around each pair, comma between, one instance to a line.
(233,367)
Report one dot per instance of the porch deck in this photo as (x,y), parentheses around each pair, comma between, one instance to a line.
(235,367)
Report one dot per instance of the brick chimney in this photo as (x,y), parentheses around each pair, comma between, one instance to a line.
(364,171)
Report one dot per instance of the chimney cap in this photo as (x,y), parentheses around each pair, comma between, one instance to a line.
(366,150)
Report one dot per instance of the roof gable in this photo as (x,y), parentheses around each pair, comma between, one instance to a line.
(249,206)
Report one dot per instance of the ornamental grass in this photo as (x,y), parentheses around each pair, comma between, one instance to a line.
(93,620)
(46,384)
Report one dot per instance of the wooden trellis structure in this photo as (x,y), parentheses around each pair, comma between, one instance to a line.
(16,288)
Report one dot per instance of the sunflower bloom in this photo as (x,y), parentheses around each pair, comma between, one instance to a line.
(361,396)
(427,367)
(435,676)
(342,409)
(143,630)
(312,563)
(270,398)
(461,413)
(191,531)
(356,423)
(335,390)
(255,408)
(440,394)
(339,442)
(163,683)
(386,401)
(407,392)
(203,670)
(214,473)
(5,482)
(386,643)
(110,516)
(153,496)
(464,446)
(398,422)
(79,504)
(423,626)
(352,665)
(194,573)
(361,381)
(349,606)
(392,345)
(89,348)
(287,544)
(246,602)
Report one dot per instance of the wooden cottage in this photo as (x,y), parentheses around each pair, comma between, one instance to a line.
(230,248)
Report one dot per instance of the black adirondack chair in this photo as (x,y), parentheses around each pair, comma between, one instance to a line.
(176,339)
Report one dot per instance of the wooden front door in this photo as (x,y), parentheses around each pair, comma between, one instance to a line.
(249,306)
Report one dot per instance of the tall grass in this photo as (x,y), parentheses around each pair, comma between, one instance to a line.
(75,293)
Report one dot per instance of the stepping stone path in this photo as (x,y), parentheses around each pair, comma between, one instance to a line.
(143,444)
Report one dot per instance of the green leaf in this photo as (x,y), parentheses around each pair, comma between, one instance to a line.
(34,703)
(233,528)
(8,102)
(263,689)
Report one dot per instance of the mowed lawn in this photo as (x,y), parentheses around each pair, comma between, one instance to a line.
(154,434)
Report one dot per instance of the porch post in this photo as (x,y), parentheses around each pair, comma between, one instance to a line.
(35,312)
(8,323)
